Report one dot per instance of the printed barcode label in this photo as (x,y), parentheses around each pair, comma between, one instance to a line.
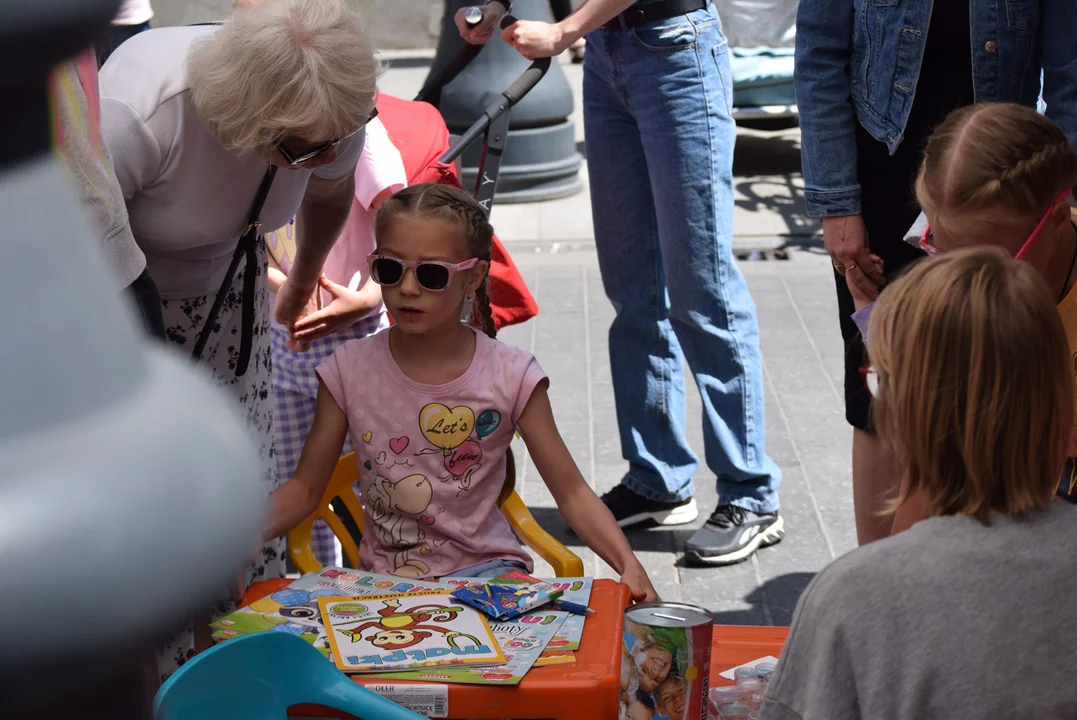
(428,699)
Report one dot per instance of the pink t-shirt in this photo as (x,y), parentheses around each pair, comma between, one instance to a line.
(380,167)
(432,457)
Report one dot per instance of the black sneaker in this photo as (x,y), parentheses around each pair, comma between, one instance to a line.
(630,509)
(731,534)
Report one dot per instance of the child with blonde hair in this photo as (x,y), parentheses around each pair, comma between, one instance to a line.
(1000,175)
(973,391)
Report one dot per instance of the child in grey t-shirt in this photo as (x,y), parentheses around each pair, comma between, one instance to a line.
(964,614)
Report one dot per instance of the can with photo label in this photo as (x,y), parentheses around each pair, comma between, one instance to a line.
(666,661)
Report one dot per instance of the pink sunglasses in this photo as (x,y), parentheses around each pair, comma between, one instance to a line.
(431,274)
(927,240)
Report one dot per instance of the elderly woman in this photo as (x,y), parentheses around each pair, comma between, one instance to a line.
(201,121)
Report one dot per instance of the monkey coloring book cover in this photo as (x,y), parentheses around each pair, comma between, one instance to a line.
(383,633)
(522,640)
(295,609)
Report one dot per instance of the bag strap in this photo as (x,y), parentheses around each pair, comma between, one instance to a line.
(246,247)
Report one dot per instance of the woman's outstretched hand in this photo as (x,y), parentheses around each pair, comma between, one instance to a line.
(346,307)
(635,577)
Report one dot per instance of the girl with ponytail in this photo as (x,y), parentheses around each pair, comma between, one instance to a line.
(432,405)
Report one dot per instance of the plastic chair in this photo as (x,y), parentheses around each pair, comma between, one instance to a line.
(565,563)
(260,676)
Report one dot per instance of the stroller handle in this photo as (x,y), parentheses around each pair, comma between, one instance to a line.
(515,92)
(529,78)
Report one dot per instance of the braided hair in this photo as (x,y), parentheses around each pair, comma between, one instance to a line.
(447,203)
(1001,160)
(450,204)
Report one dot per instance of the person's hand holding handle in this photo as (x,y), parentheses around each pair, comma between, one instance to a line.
(477,32)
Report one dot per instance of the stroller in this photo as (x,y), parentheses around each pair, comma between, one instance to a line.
(420,134)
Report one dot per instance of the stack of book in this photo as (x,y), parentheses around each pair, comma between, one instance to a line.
(384,626)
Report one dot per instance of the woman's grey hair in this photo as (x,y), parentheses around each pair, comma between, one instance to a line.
(284,68)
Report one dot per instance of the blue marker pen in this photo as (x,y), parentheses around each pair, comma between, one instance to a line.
(571,607)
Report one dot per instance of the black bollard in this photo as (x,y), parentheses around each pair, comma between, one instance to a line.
(540,161)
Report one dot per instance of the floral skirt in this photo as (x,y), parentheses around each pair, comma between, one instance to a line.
(253,391)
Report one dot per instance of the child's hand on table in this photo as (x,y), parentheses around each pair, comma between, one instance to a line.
(635,577)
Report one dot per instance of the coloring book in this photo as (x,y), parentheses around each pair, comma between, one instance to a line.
(522,640)
(295,609)
(408,630)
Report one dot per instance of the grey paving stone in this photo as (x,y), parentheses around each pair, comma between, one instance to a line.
(807,435)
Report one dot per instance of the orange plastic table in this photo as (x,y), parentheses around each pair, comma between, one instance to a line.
(733,645)
(586,690)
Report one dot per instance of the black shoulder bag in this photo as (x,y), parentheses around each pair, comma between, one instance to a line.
(248,247)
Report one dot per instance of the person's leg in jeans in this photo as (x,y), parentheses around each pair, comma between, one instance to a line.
(676,86)
(645,357)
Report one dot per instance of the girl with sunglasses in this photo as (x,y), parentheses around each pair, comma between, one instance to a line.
(1001,175)
(432,405)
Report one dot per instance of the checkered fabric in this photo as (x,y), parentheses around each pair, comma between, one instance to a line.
(295,389)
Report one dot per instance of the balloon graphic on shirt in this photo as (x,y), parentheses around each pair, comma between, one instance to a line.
(446,428)
(467,455)
(487,422)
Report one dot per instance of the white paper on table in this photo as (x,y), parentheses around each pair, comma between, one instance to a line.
(728,674)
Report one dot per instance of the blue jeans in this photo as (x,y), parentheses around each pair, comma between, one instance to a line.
(657,102)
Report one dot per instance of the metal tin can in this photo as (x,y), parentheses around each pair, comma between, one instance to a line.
(667,649)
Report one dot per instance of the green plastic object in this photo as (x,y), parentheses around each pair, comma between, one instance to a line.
(258,677)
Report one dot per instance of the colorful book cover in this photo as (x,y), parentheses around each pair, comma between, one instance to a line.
(575,590)
(507,596)
(522,640)
(295,609)
(409,630)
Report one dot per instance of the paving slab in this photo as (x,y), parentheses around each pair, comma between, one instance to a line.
(807,434)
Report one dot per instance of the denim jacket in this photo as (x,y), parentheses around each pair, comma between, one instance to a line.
(859,60)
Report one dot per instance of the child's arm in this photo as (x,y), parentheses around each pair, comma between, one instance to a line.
(296,499)
(579,505)
(275,277)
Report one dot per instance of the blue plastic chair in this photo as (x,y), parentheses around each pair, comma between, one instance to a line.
(258,677)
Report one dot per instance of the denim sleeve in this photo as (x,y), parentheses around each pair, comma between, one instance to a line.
(824,49)
(1059,61)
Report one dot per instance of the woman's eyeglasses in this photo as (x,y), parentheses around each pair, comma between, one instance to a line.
(927,240)
(293,158)
(430,274)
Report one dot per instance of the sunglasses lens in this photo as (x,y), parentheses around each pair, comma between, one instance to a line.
(386,271)
(432,277)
